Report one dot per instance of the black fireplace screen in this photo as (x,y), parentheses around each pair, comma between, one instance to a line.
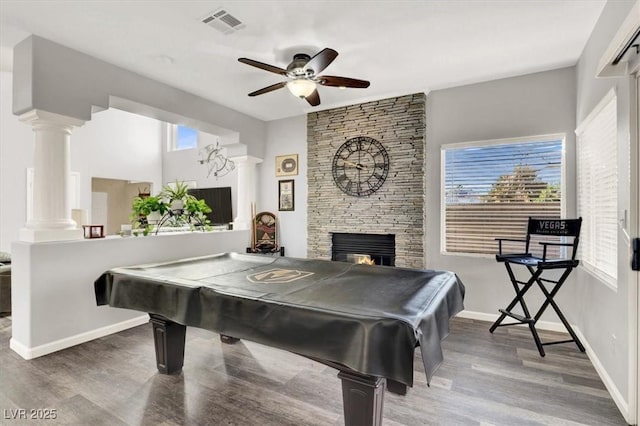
(380,248)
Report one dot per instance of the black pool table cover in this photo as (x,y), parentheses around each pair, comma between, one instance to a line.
(367,318)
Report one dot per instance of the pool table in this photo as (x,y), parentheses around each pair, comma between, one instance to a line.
(365,321)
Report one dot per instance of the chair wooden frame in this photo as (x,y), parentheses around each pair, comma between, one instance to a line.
(536,267)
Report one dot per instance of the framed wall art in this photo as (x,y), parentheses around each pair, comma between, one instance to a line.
(286,202)
(287,165)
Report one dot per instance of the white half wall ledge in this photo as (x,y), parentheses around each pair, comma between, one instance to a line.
(43,235)
(53,298)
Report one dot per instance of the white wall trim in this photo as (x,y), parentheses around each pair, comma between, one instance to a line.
(542,325)
(615,393)
(617,397)
(38,351)
(622,36)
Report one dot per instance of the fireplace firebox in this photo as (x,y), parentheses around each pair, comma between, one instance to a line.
(352,247)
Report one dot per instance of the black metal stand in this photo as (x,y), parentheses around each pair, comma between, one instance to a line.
(527,318)
(266,250)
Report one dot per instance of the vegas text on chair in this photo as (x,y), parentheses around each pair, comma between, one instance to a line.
(562,231)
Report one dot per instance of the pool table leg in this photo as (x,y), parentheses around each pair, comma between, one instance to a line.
(362,398)
(396,387)
(168,338)
(228,339)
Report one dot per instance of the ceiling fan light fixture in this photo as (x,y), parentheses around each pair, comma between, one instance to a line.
(303,73)
(301,87)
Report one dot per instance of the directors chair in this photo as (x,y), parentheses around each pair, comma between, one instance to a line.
(561,230)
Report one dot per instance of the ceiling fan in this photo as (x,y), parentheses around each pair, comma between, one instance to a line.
(303,73)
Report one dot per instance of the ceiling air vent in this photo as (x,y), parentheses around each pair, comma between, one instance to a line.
(223,21)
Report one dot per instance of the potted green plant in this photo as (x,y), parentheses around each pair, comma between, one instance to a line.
(176,194)
(149,208)
(197,210)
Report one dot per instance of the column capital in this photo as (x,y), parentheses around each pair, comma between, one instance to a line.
(246,159)
(40,118)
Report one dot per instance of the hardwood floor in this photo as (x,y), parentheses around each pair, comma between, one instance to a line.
(486,379)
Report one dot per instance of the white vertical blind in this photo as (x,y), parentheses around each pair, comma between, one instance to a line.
(491,188)
(598,189)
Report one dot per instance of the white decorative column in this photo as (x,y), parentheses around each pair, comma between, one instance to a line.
(246,165)
(51,219)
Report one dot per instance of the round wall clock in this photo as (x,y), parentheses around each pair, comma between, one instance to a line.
(360,166)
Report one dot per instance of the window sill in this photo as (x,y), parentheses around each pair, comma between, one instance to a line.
(474,255)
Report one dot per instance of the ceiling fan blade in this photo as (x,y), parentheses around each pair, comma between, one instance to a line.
(263,66)
(314,98)
(321,60)
(328,80)
(269,88)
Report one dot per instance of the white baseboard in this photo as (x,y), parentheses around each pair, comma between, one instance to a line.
(615,393)
(606,379)
(38,351)
(542,325)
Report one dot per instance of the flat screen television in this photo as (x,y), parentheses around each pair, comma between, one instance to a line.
(219,199)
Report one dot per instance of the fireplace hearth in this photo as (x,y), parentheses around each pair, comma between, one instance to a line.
(353,247)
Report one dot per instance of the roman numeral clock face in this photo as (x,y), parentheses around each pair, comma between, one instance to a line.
(360,166)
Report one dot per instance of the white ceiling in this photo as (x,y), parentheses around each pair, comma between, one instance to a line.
(402,47)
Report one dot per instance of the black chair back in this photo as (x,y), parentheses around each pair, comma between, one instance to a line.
(555,228)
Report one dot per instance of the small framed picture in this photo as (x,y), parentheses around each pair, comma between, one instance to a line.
(287,165)
(286,195)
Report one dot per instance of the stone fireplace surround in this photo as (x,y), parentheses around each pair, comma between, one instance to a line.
(396,208)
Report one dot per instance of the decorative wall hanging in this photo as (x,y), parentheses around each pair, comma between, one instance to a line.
(287,165)
(216,160)
(286,195)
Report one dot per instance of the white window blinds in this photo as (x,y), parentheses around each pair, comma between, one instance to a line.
(598,190)
(491,188)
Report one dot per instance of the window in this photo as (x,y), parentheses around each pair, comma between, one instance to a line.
(598,190)
(181,137)
(491,188)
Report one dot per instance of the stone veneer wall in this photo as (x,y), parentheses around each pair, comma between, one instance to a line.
(396,208)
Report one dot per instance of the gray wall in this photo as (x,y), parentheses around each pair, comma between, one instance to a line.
(286,136)
(603,313)
(534,104)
